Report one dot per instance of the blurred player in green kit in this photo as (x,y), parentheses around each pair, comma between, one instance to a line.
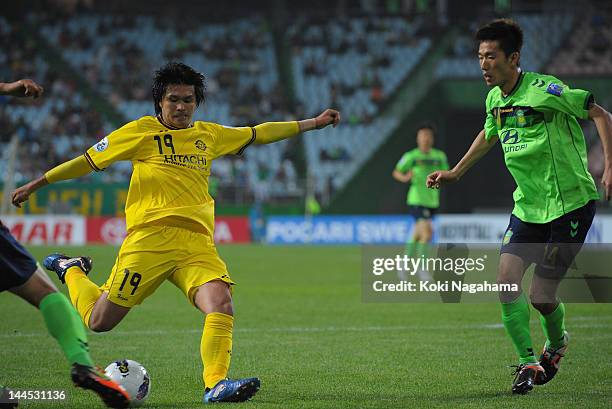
(413,167)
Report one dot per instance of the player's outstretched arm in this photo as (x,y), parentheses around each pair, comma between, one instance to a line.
(72,169)
(603,122)
(325,118)
(402,177)
(270,132)
(21,88)
(479,148)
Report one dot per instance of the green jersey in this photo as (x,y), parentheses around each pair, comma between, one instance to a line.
(422,164)
(544,147)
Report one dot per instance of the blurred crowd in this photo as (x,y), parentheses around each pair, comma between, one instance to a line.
(112,52)
(59,126)
(341,37)
(99,66)
(589,49)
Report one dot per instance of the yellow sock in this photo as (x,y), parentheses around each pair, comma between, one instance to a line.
(83,292)
(216,347)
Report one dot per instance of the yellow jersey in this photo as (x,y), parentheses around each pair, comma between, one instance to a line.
(169,184)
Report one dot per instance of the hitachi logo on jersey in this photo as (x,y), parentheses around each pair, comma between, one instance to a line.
(193,159)
(197,162)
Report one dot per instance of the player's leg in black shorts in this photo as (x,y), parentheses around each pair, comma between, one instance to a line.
(525,240)
(567,235)
(553,245)
(16,264)
(421,212)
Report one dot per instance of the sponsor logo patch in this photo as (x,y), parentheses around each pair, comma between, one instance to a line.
(554,89)
(200,145)
(510,137)
(507,236)
(102,145)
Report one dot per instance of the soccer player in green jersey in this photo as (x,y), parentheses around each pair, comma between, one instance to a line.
(534,117)
(414,166)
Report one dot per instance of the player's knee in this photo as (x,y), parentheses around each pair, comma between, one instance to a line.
(544,308)
(506,277)
(425,231)
(542,295)
(96,325)
(95,328)
(510,270)
(100,324)
(223,306)
(214,296)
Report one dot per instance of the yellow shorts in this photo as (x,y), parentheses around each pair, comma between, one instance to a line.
(149,255)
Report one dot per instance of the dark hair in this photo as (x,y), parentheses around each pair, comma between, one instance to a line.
(426,125)
(176,73)
(505,31)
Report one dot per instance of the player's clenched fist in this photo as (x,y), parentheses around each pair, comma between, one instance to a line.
(31,89)
(435,179)
(22,88)
(20,195)
(327,117)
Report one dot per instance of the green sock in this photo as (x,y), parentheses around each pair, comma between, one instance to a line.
(410,247)
(64,324)
(515,316)
(553,325)
(422,249)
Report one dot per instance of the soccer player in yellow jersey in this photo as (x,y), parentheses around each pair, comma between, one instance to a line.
(169,217)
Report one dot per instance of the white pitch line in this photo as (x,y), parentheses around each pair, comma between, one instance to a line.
(331,329)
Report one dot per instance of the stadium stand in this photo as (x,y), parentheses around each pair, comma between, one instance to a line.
(544,35)
(354,65)
(588,50)
(52,129)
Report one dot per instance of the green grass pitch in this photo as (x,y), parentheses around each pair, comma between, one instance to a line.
(302,327)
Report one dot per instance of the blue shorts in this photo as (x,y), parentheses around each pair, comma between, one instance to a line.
(553,246)
(16,264)
(421,212)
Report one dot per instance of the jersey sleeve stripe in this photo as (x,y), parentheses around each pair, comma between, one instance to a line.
(254,135)
(588,101)
(91,162)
